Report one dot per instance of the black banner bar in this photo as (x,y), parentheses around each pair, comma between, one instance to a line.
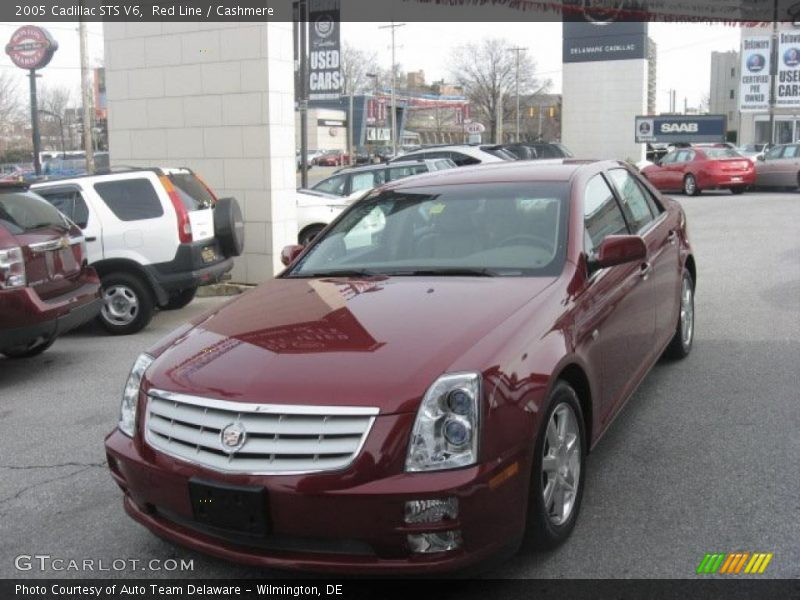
(729,11)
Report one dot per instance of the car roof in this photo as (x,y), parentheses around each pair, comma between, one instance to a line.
(118,170)
(501,172)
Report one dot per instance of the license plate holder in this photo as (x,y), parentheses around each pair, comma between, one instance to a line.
(208,254)
(241,509)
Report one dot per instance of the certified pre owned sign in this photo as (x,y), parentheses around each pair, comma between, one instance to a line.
(31,47)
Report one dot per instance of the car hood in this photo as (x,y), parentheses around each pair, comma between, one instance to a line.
(379,342)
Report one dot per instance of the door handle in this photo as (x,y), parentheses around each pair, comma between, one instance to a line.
(645,270)
(672,238)
(91,239)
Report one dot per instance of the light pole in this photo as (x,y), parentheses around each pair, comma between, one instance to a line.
(517,51)
(374,77)
(393,116)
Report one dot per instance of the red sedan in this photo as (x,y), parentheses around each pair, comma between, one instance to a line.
(698,168)
(420,388)
(333,159)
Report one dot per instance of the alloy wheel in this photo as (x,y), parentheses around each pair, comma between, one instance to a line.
(690,185)
(687,312)
(121,305)
(561,464)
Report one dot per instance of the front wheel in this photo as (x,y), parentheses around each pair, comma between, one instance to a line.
(682,340)
(33,349)
(690,185)
(557,479)
(128,304)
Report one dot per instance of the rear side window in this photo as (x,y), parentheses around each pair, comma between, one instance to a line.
(193,194)
(22,212)
(131,199)
(366,181)
(462,160)
(401,172)
(634,201)
(791,151)
(601,214)
(69,203)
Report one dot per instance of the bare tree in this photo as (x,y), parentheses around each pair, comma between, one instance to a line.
(488,72)
(9,97)
(355,66)
(54,99)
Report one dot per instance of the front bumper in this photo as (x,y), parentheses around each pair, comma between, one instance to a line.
(335,521)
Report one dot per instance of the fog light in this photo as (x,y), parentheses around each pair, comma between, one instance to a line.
(431,511)
(429,543)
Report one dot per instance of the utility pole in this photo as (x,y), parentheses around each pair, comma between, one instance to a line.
(350,148)
(302,20)
(517,51)
(86,91)
(773,71)
(393,26)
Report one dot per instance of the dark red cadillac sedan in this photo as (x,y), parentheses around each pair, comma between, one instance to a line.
(420,388)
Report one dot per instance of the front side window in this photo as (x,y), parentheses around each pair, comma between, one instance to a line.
(332,185)
(601,214)
(70,203)
(773,153)
(131,199)
(634,201)
(401,172)
(486,229)
(360,182)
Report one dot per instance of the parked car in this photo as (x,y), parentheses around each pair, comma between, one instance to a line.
(314,211)
(153,235)
(779,167)
(46,285)
(753,151)
(461,154)
(420,388)
(352,182)
(698,168)
(333,158)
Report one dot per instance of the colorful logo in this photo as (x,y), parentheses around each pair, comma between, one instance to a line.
(791,57)
(756,63)
(736,563)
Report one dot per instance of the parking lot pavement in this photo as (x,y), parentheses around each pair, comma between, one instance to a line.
(703,459)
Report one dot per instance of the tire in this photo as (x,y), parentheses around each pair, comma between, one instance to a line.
(547,527)
(308,234)
(690,185)
(180,299)
(33,349)
(739,189)
(229,226)
(128,304)
(681,344)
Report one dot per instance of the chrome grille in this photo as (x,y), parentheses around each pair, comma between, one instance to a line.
(279,439)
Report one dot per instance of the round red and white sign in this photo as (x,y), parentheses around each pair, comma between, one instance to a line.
(475,128)
(31,47)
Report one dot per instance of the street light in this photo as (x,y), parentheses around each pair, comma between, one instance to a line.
(60,128)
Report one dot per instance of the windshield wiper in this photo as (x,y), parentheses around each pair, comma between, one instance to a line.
(446,272)
(337,273)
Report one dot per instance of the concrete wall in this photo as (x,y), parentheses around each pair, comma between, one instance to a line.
(600,103)
(724,84)
(218,98)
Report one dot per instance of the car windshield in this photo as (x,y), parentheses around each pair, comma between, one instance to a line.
(714,153)
(508,229)
(24,211)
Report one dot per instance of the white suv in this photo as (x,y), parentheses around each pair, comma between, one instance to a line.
(153,235)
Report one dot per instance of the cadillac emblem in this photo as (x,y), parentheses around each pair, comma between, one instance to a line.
(232,438)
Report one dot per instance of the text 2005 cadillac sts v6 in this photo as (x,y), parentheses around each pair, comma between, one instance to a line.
(419,389)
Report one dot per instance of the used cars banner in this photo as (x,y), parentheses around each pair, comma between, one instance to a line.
(755,82)
(325,66)
(787,90)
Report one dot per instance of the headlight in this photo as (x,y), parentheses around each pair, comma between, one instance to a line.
(130,397)
(445,434)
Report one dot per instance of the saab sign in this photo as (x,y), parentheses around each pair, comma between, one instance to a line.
(683,128)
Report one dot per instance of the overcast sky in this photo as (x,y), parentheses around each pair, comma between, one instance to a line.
(684,50)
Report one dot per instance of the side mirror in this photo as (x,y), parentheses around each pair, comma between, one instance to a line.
(290,253)
(619,249)
(761,157)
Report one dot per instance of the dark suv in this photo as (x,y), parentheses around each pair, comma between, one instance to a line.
(46,286)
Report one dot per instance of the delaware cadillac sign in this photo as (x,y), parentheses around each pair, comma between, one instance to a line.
(31,47)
